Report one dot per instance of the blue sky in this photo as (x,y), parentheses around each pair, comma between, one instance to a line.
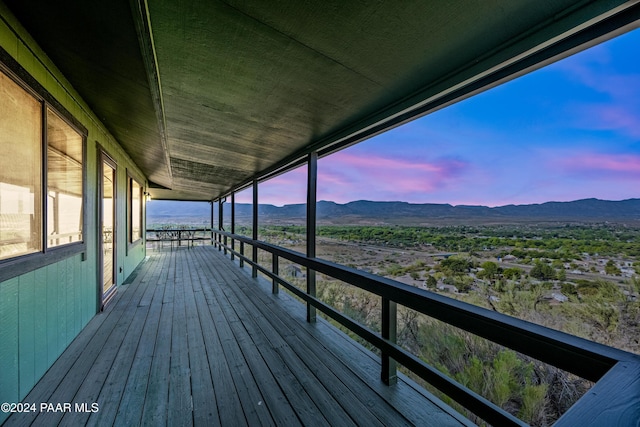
(568,131)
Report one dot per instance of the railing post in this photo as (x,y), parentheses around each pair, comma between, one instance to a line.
(275,267)
(312,181)
(220,224)
(389,373)
(224,238)
(211,224)
(254,269)
(233,223)
(241,253)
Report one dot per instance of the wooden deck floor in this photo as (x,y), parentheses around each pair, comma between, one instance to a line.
(193,340)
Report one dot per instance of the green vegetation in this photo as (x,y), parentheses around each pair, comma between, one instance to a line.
(542,271)
(553,242)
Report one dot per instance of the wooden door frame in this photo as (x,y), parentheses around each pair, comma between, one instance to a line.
(102,297)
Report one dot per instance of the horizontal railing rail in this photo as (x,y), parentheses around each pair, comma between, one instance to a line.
(178,233)
(77,235)
(587,359)
(177,229)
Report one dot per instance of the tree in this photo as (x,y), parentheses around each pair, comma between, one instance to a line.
(611,268)
(542,271)
(568,289)
(490,270)
(431,282)
(455,265)
(512,273)
(561,274)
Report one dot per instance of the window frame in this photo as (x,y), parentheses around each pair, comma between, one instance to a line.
(45,168)
(131,178)
(21,264)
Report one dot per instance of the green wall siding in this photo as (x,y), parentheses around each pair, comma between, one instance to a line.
(9,378)
(42,311)
(26,330)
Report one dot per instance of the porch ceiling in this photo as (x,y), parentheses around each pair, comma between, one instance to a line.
(205,95)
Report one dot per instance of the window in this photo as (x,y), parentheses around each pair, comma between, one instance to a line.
(29,126)
(135,211)
(20,170)
(64,182)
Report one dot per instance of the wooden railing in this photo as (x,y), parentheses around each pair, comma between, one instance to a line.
(178,235)
(613,400)
(62,238)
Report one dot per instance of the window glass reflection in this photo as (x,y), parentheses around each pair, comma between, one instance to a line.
(136,211)
(64,182)
(20,171)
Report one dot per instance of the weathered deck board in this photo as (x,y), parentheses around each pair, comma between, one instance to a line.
(194,341)
(239,397)
(408,403)
(154,410)
(129,412)
(329,372)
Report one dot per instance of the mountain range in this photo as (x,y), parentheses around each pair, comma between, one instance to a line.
(363,211)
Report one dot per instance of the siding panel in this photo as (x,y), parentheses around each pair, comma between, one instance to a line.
(70,293)
(26,332)
(9,392)
(77,298)
(62,312)
(40,336)
(52,314)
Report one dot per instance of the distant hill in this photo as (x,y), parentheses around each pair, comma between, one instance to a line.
(363,211)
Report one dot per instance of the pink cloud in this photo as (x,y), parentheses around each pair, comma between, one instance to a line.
(617,166)
(347,176)
(285,189)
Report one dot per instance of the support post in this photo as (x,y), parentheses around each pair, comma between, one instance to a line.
(233,223)
(241,253)
(220,224)
(389,374)
(275,267)
(312,185)
(211,224)
(254,269)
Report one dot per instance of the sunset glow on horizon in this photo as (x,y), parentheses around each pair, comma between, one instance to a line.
(566,132)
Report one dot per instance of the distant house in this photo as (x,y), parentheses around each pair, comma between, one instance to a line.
(631,296)
(627,272)
(294,271)
(447,288)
